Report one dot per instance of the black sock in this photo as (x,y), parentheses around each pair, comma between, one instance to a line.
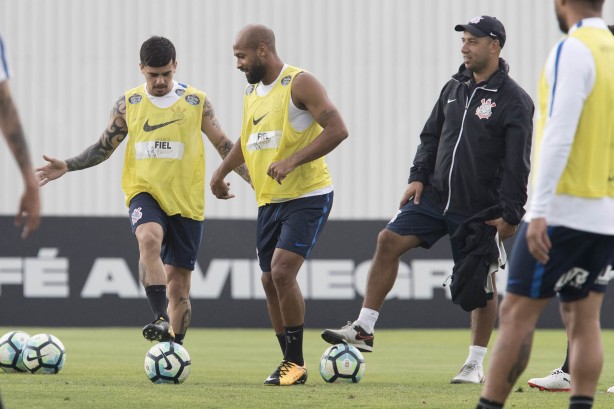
(179,339)
(580,402)
(488,404)
(294,345)
(156,295)
(565,367)
(281,338)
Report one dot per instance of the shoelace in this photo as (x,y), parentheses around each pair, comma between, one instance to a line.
(348,325)
(467,369)
(284,368)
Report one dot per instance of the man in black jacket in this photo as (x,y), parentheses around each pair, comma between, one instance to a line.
(474,154)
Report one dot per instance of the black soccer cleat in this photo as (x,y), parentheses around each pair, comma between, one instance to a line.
(159,330)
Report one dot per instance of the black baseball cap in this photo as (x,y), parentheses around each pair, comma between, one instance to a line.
(484,26)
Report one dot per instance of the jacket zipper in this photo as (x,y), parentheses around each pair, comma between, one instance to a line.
(460,134)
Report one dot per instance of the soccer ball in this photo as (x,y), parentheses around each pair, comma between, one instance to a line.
(167,362)
(44,353)
(11,351)
(342,362)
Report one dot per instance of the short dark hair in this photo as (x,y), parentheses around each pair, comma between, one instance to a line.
(157,52)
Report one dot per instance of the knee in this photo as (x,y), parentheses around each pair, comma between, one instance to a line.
(267,283)
(178,289)
(149,243)
(387,243)
(280,280)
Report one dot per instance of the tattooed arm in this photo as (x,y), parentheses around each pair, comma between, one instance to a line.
(116,132)
(29,206)
(309,94)
(211,127)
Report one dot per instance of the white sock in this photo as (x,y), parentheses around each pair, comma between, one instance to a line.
(367,319)
(476,353)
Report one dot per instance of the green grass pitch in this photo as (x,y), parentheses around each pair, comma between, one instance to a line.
(409,369)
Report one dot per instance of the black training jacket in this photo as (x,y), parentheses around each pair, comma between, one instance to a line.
(475,147)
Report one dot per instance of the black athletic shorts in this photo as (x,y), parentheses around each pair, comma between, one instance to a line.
(182,235)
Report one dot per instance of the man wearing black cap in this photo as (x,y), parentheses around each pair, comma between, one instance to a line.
(474,156)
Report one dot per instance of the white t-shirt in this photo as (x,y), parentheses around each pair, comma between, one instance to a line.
(4,65)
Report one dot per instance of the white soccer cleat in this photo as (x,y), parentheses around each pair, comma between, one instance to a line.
(470,373)
(556,381)
(352,334)
(611,389)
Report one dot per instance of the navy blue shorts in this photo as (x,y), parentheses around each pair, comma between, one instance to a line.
(426,221)
(294,225)
(579,262)
(181,235)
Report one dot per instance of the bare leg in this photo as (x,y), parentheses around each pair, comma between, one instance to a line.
(284,269)
(272,303)
(585,349)
(385,266)
(178,293)
(483,320)
(517,319)
(151,268)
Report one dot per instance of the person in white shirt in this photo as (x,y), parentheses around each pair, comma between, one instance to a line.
(566,244)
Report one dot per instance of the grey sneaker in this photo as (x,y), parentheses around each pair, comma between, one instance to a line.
(470,373)
(555,381)
(352,334)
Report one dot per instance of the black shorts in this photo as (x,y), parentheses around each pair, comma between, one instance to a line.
(182,235)
(579,262)
(426,221)
(294,225)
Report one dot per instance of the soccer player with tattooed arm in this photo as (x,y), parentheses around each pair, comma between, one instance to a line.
(163,180)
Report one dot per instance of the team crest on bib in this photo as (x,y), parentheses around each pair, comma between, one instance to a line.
(179,91)
(286,80)
(484,111)
(136,215)
(192,99)
(249,89)
(135,99)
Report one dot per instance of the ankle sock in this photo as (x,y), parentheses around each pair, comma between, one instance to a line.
(156,295)
(367,319)
(476,353)
(580,402)
(294,345)
(281,338)
(488,404)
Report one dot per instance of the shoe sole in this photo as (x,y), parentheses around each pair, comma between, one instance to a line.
(299,381)
(544,389)
(458,382)
(153,334)
(334,339)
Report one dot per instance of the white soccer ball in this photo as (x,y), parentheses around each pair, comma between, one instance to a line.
(44,353)
(11,351)
(342,362)
(167,362)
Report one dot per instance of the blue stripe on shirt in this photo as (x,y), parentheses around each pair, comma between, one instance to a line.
(3,61)
(556,74)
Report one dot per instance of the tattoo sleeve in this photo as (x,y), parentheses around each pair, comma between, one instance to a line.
(116,132)
(223,149)
(12,129)
(208,112)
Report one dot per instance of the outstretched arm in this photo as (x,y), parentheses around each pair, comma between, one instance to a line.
(211,127)
(116,132)
(29,205)
(308,93)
